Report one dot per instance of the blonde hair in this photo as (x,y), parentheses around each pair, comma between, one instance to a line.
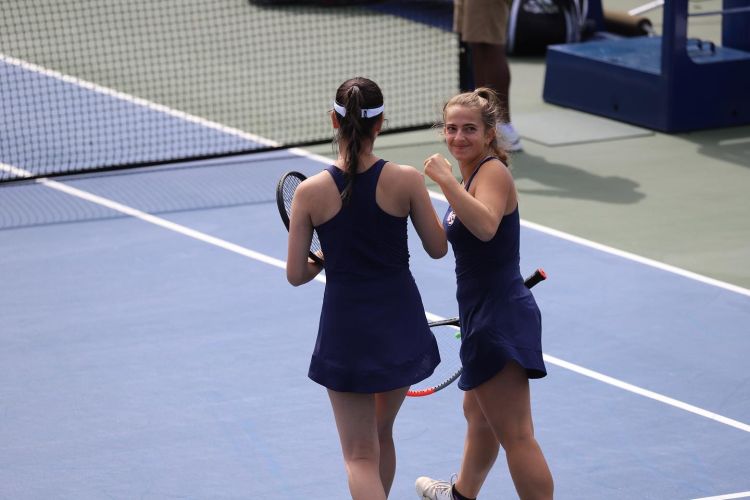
(484,100)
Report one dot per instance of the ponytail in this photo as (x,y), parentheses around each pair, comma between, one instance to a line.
(353,135)
(491,117)
(355,100)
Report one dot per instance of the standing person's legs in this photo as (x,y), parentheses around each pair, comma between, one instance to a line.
(491,69)
(387,405)
(483,25)
(358,433)
(505,400)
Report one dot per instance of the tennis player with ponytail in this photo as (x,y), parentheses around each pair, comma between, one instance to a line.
(501,345)
(373,339)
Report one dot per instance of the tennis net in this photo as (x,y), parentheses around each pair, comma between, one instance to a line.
(91,85)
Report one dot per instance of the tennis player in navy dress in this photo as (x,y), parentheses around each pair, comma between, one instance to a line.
(373,335)
(373,339)
(500,320)
(501,326)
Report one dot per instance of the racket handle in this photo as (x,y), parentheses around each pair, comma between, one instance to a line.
(444,322)
(539,275)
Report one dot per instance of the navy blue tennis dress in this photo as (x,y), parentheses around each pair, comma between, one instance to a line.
(500,320)
(373,335)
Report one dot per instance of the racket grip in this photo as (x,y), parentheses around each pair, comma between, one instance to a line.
(539,275)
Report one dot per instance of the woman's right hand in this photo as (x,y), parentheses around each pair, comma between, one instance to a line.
(437,168)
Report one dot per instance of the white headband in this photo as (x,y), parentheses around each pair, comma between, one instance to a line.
(366,113)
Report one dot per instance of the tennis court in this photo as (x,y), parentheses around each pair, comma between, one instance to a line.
(151,346)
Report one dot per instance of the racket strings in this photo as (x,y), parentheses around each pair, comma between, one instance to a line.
(288,187)
(448,338)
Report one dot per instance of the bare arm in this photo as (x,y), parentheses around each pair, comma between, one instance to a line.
(299,267)
(426,221)
(482,212)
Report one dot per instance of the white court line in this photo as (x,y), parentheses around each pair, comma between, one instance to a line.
(135,100)
(625,255)
(281,264)
(211,240)
(306,154)
(151,219)
(728,496)
(637,258)
(646,393)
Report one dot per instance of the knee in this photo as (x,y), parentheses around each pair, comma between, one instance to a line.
(362,451)
(515,436)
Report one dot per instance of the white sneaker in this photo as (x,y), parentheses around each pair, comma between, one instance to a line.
(431,489)
(509,137)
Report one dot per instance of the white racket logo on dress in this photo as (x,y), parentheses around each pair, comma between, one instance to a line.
(451,218)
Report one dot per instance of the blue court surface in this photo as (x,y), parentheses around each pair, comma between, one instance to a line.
(166,357)
(152,348)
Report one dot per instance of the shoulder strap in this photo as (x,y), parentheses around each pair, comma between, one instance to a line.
(378,167)
(477,169)
(338,177)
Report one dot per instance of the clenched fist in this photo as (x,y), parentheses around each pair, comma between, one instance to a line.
(437,168)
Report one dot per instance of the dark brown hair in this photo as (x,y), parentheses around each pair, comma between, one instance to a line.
(355,95)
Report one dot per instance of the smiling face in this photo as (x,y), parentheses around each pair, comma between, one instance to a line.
(467,137)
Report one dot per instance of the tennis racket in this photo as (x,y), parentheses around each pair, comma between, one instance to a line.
(284,194)
(448,336)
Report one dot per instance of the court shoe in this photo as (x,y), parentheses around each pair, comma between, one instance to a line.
(432,489)
(509,137)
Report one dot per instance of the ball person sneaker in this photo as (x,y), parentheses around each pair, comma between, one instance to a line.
(509,137)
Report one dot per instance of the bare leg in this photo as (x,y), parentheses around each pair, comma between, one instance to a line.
(387,405)
(491,69)
(506,403)
(356,423)
(480,449)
